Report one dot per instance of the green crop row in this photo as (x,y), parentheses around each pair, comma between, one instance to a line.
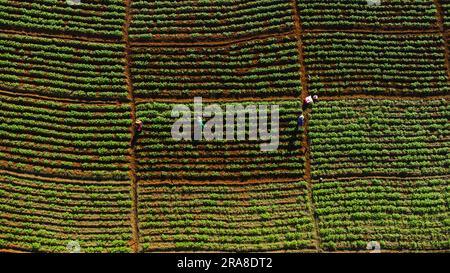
(161,156)
(347,63)
(44,215)
(260,68)
(399,214)
(240,217)
(35,133)
(380,137)
(349,14)
(92,18)
(205,20)
(41,66)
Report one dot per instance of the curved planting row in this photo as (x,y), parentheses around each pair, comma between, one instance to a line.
(388,15)
(380,137)
(259,68)
(398,214)
(62,68)
(166,20)
(64,140)
(348,63)
(220,217)
(43,215)
(95,18)
(159,156)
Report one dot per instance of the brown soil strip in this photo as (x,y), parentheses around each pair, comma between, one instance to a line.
(220,182)
(383,97)
(10,250)
(59,36)
(62,100)
(440,20)
(387,177)
(133,165)
(210,44)
(218,43)
(307,113)
(372,31)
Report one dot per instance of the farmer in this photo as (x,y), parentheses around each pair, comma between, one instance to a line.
(316,98)
(308,100)
(139,125)
(301,120)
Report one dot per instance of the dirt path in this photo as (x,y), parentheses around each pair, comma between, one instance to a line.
(211,44)
(390,177)
(383,97)
(133,164)
(307,113)
(372,31)
(224,42)
(220,182)
(445,37)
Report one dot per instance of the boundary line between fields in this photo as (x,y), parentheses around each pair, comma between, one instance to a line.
(384,177)
(133,166)
(374,31)
(238,182)
(212,44)
(227,100)
(218,43)
(382,97)
(307,112)
(241,182)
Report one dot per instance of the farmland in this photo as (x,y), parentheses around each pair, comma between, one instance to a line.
(165,20)
(225,217)
(370,161)
(159,156)
(349,63)
(260,68)
(380,137)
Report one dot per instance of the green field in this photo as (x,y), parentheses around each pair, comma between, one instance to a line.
(369,164)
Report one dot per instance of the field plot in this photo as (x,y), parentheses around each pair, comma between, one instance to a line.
(45,215)
(259,68)
(76,141)
(225,217)
(380,137)
(383,64)
(405,214)
(191,20)
(91,18)
(159,156)
(62,68)
(347,14)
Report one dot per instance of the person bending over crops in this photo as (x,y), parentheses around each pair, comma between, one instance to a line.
(139,125)
(301,120)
